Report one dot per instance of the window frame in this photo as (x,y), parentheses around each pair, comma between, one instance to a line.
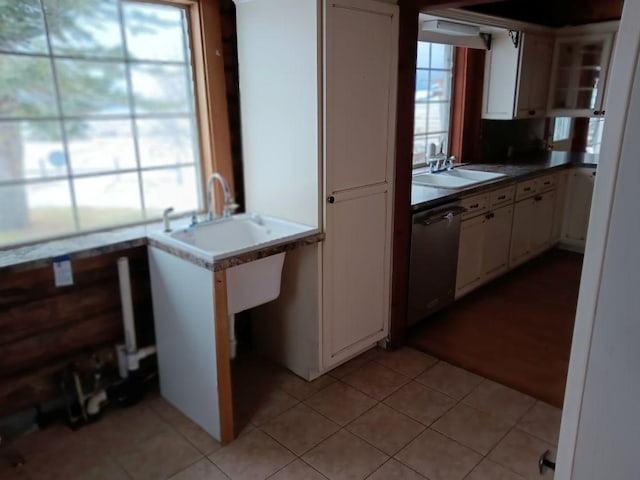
(204,37)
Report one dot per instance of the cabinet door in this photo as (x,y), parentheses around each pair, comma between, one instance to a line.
(521,231)
(542,221)
(497,239)
(558,211)
(579,75)
(578,206)
(470,252)
(355,273)
(533,75)
(360,77)
(500,78)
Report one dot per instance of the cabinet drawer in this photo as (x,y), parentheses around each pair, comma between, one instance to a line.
(501,197)
(474,205)
(526,189)
(548,182)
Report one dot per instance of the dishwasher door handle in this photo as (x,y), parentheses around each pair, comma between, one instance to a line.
(448,215)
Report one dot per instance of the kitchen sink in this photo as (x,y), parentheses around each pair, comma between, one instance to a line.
(456,178)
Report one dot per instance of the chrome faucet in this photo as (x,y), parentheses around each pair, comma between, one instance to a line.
(229,205)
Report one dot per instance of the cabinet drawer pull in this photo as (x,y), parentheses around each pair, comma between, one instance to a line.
(537,198)
(502,197)
(475,205)
(331,199)
(526,189)
(548,182)
(489,216)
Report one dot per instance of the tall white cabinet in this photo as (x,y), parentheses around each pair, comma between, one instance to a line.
(317,90)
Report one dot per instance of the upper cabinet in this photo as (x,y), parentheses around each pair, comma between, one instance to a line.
(517,70)
(578,82)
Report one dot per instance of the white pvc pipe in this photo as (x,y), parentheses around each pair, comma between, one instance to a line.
(127,305)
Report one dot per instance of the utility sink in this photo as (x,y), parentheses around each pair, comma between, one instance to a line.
(456,178)
(249,284)
(186,309)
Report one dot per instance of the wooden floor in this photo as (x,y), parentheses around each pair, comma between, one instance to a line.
(516,330)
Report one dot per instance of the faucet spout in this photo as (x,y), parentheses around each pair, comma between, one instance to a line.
(229,205)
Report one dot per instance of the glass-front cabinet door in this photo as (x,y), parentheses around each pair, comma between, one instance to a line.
(579,75)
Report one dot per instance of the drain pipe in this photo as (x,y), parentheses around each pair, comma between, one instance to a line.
(128,354)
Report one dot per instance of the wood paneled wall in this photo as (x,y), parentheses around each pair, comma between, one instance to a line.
(43,327)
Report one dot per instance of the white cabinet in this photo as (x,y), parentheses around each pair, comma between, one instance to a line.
(483,249)
(318,91)
(497,238)
(577,208)
(470,253)
(533,218)
(520,249)
(516,77)
(558,211)
(360,76)
(542,221)
(579,76)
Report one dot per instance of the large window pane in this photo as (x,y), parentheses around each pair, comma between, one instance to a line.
(35,211)
(84,27)
(22,27)
(420,119)
(26,87)
(155,32)
(440,86)
(160,88)
(168,141)
(92,88)
(441,56)
(438,117)
(432,100)
(100,146)
(31,149)
(96,105)
(170,187)
(424,55)
(108,200)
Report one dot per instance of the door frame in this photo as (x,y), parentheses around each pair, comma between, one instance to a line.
(622,73)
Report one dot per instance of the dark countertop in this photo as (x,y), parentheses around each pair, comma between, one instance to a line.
(40,255)
(530,166)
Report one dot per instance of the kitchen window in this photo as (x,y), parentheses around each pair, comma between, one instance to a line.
(98,118)
(432,122)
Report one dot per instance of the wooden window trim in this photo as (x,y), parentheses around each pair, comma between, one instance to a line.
(211,92)
(468,72)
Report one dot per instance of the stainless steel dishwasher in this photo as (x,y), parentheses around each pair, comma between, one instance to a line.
(434,258)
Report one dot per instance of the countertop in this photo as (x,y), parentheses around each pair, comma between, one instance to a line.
(39,255)
(520,168)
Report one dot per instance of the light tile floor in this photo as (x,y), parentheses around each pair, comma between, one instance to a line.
(381,416)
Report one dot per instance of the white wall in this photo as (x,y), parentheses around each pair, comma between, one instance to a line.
(279,80)
(601,425)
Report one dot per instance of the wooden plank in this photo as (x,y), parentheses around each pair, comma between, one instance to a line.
(223,357)
(23,391)
(212,99)
(407,51)
(36,351)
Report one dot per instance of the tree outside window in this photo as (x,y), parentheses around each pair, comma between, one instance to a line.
(97,116)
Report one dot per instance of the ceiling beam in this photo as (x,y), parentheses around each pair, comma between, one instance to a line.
(426,5)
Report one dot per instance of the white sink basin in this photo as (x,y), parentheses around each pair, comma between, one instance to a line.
(456,178)
(238,234)
(474,174)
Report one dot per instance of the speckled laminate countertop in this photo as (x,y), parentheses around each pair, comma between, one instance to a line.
(423,197)
(39,255)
